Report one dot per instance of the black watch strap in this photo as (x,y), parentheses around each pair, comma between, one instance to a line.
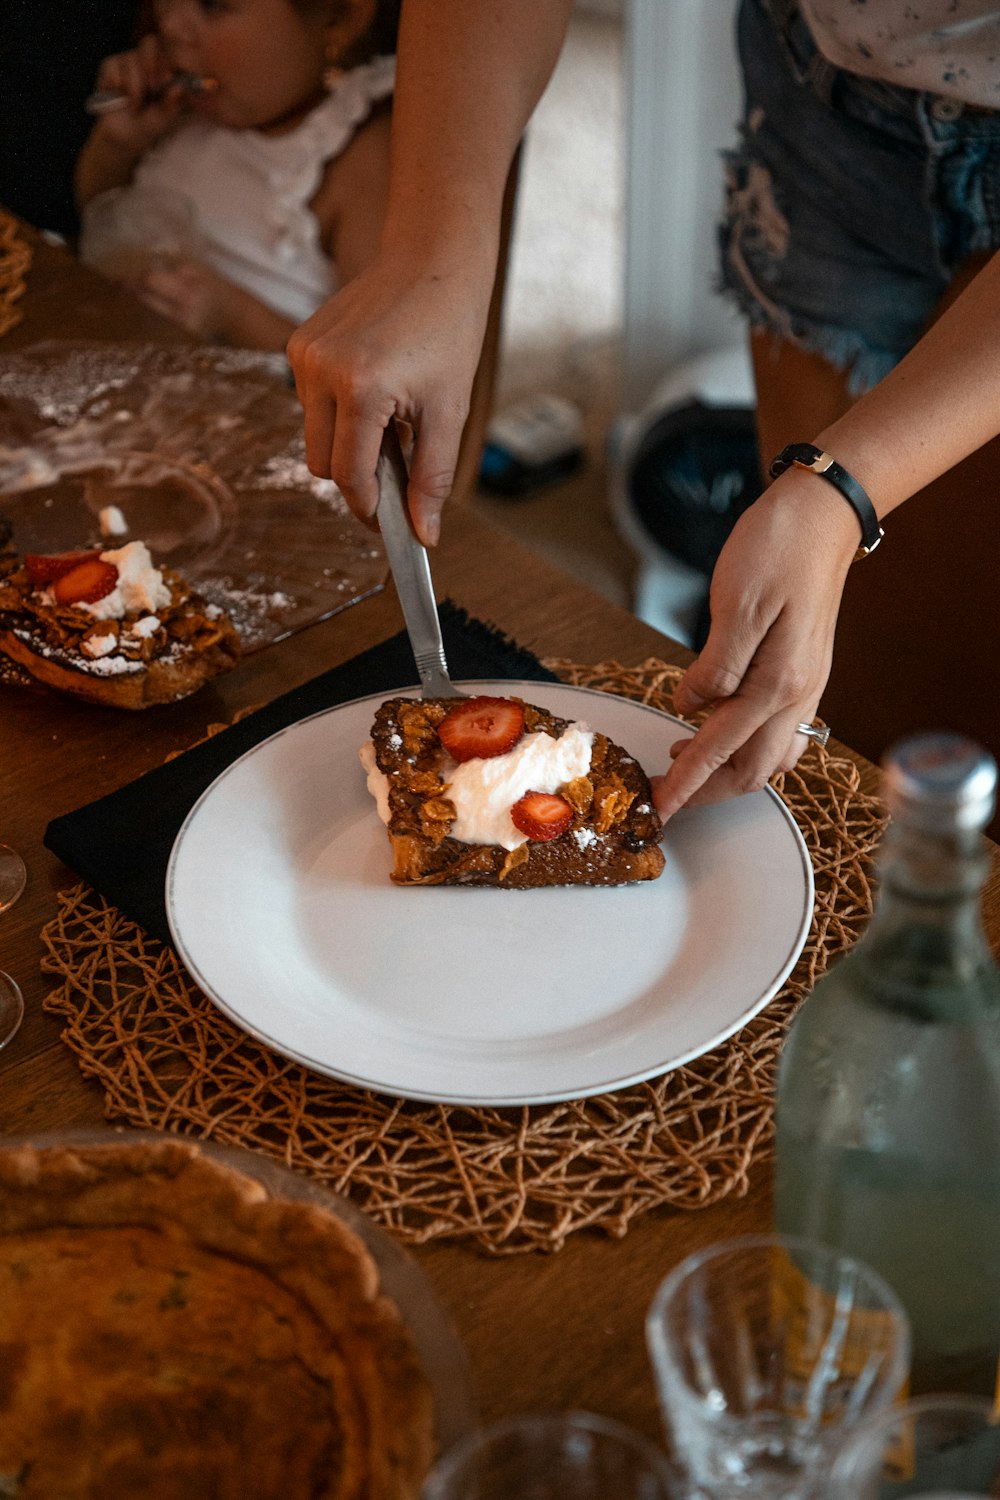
(806,456)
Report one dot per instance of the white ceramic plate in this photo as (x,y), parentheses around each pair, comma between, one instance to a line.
(281,908)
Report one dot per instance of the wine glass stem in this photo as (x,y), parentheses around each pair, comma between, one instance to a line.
(11,1009)
(12,876)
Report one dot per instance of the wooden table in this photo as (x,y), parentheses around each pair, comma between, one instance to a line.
(561,1330)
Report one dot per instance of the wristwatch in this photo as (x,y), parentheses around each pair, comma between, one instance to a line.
(806,456)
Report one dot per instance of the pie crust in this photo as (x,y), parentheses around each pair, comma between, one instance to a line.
(169,1329)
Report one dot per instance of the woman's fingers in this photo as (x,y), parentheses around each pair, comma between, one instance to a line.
(349,391)
(775,746)
(343,438)
(432,466)
(357,440)
(751,733)
(319,421)
(390,344)
(775,596)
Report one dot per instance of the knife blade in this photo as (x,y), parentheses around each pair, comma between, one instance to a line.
(411,571)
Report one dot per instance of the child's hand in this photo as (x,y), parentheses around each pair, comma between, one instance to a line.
(155,95)
(193,295)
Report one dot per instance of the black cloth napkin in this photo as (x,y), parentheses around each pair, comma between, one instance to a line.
(121,844)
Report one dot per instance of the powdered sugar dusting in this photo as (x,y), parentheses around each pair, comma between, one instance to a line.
(289,471)
(113,666)
(102,666)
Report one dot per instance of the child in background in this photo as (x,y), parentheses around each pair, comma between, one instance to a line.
(270,119)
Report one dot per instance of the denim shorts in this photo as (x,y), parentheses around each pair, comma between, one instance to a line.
(850,203)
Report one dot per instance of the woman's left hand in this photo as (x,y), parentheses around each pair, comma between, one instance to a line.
(775,596)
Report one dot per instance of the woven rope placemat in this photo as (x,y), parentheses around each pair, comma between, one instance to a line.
(506,1179)
(15,262)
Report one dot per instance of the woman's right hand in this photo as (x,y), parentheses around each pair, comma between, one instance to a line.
(155,96)
(402,339)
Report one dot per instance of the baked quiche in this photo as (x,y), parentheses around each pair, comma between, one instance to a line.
(168,1329)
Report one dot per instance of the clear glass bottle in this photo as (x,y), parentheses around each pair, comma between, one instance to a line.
(888,1114)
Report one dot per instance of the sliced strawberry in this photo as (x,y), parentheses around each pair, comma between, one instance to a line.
(542,815)
(481,727)
(86,583)
(46,567)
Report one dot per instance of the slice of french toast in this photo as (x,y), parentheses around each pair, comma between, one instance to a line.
(109,627)
(499,792)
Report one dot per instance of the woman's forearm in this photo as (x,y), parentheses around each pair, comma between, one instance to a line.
(404,337)
(469,75)
(937,406)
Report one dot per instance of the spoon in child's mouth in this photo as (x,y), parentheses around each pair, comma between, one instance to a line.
(107,101)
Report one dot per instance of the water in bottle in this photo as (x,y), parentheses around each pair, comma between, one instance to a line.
(888,1115)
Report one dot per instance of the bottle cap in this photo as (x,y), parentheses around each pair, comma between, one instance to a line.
(941,781)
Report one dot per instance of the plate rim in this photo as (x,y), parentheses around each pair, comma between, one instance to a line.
(487,1101)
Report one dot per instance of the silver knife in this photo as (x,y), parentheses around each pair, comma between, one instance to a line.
(411,571)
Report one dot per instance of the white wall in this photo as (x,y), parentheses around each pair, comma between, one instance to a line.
(682,100)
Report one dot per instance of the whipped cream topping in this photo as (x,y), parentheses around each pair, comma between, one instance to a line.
(147,626)
(112,521)
(140,588)
(483,791)
(99,645)
(377,781)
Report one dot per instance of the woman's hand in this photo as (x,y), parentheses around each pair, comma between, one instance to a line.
(403,339)
(775,596)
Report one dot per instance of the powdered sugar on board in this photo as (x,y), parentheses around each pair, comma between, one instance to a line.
(201,454)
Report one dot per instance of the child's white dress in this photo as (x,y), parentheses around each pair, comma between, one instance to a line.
(251,192)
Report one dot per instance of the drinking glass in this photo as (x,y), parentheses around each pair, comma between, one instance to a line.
(11,1009)
(12,876)
(939,1447)
(766,1351)
(569,1456)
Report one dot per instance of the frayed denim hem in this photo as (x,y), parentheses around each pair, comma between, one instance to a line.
(845,350)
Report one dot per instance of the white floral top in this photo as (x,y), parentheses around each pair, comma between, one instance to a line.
(947,47)
(251,192)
